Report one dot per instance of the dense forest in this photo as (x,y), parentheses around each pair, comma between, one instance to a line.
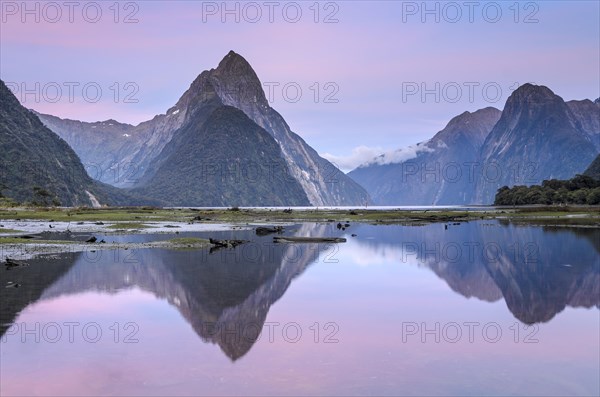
(582,189)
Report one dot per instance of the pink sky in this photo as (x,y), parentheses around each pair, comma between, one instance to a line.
(369,53)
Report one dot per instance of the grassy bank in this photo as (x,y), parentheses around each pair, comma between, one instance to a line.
(136,218)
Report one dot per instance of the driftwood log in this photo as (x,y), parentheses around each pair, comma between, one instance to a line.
(308,240)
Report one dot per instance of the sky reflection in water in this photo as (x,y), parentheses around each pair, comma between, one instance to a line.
(480,308)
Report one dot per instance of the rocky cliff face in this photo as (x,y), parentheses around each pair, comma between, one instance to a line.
(116,153)
(237,85)
(536,138)
(33,156)
(593,169)
(435,172)
(100,145)
(587,118)
(38,166)
(222,158)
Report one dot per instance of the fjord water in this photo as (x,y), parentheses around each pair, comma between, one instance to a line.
(478,308)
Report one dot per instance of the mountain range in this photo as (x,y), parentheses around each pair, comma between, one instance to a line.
(222,144)
(253,154)
(38,166)
(537,136)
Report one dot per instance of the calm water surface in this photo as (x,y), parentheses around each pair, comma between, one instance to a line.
(480,308)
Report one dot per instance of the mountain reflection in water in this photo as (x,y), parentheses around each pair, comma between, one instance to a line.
(538,271)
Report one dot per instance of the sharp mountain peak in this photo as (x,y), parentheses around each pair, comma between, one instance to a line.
(234,62)
(532,93)
(233,82)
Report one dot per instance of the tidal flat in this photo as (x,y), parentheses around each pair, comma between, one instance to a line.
(29,231)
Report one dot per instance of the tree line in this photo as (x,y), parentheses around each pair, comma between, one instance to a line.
(581,189)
